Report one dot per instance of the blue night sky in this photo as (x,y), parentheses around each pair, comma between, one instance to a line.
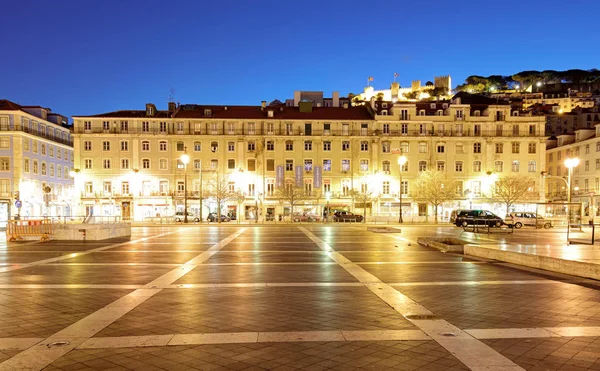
(89,57)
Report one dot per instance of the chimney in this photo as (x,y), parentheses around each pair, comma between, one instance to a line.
(263,105)
(297,96)
(172,107)
(335,98)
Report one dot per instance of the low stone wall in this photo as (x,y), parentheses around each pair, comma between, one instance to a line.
(384,229)
(90,232)
(571,267)
(442,244)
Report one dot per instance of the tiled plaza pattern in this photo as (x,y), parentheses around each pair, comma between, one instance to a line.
(288,298)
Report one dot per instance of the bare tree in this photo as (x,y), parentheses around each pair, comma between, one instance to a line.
(291,194)
(218,188)
(434,187)
(364,195)
(513,188)
(240,197)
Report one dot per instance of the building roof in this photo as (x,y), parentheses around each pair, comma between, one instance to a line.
(281,112)
(6,105)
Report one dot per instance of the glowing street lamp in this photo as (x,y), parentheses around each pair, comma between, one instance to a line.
(570,163)
(185,159)
(401,162)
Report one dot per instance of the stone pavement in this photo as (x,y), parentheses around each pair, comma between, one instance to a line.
(290,297)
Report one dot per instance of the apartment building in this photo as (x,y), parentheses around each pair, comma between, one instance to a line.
(583,144)
(568,123)
(129,162)
(36,156)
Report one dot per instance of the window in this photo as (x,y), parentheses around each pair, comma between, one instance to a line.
(458,166)
(87,125)
(386,128)
(270,145)
(125,188)
(515,129)
(180,146)
(422,165)
(289,165)
(88,163)
(386,166)
(106,163)
(308,164)
(404,187)
(214,164)
(270,164)
(289,130)
(289,145)
(146,163)
(327,146)
(345,165)
(345,145)
(124,145)
(107,187)
(197,147)
(476,185)
(5,164)
(476,166)
(308,145)
(214,146)
(532,148)
(145,126)
(515,166)
(422,147)
(145,146)
(498,166)
(587,149)
(105,125)
(162,146)
(89,188)
(251,165)
(386,147)
(251,146)
(404,129)
(51,151)
(364,146)
(26,144)
(43,149)
(385,189)
(345,129)
(4,142)
(26,165)
(441,148)
(598,164)
(516,146)
(124,126)
(326,128)
(459,149)
(124,163)
(231,146)
(598,147)
(327,165)
(162,164)
(441,166)
(231,164)
(87,145)
(404,147)
(587,165)
(499,147)
(364,165)
(180,164)
(476,147)
(106,145)
(35,166)
(531,166)
(163,127)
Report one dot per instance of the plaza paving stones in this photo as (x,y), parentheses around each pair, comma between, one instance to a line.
(289,297)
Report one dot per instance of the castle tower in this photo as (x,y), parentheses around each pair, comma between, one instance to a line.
(395,88)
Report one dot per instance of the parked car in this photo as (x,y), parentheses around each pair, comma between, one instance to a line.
(179,217)
(212,217)
(518,220)
(297,217)
(478,217)
(346,216)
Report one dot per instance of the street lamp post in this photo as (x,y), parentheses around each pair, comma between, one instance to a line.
(327,196)
(256,207)
(401,161)
(200,195)
(185,159)
(570,163)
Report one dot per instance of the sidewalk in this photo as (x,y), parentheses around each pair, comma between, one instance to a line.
(576,260)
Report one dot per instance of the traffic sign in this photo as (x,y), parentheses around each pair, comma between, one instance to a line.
(18,204)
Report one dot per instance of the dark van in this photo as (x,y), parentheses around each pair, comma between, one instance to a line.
(478,217)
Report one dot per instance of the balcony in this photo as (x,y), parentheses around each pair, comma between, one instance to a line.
(53,138)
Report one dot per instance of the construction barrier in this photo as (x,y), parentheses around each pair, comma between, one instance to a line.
(17,229)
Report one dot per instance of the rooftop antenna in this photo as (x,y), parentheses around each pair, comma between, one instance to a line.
(171,95)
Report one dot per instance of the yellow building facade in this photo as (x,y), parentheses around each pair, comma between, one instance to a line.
(128,163)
